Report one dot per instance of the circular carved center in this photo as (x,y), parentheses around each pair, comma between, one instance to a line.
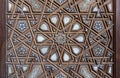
(60,38)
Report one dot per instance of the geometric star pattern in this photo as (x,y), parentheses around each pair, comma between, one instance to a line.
(59,39)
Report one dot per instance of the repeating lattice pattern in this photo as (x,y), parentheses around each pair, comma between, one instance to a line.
(59,39)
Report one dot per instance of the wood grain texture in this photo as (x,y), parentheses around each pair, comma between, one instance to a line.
(2,39)
(116,39)
(117,72)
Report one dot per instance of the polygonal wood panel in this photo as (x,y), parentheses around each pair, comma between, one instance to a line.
(59,39)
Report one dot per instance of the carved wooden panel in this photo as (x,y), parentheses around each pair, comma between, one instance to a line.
(59,39)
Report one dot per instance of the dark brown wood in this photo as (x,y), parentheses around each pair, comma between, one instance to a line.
(116,39)
(2,39)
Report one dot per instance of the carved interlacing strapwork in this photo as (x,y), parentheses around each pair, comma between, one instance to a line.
(59,39)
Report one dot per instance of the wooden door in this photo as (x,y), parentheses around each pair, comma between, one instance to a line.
(59,39)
